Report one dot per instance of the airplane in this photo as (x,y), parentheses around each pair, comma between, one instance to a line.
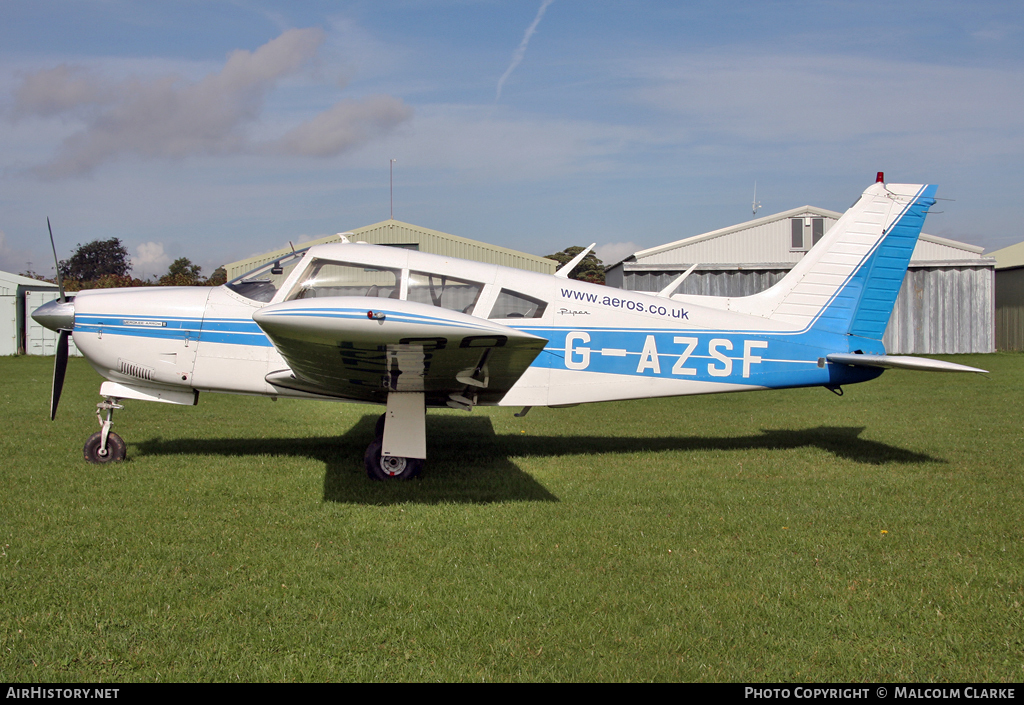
(408,330)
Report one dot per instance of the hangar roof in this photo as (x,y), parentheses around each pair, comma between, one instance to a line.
(11,282)
(1008,257)
(770,240)
(399,234)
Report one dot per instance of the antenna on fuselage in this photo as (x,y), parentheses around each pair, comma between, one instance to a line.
(566,269)
(756,204)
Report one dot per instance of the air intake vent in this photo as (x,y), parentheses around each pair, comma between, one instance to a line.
(133,370)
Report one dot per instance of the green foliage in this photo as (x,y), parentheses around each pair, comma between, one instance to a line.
(96,259)
(764,537)
(107,281)
(182,273)
(219,276)
(591,269)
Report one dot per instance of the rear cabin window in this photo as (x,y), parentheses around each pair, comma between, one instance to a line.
(326,278)
(443,291)
(511,304)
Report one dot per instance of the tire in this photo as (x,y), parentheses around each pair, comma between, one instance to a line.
(117,449)
(379,467)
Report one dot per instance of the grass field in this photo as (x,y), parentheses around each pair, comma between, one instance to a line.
(776,536)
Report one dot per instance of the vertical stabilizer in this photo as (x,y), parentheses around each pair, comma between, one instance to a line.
(849,281)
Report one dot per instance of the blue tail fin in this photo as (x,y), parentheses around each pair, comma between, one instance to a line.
(849,281)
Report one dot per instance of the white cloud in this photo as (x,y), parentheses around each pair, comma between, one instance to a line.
(482,142)
(171,117)
(150,258)
(614,252)
(346,125)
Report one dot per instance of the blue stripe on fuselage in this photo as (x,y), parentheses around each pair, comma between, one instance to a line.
(747,358)
(224,330)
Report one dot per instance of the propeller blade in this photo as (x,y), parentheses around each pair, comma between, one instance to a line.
(56,265)
(60,366)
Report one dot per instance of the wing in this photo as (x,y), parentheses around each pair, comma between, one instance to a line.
(362,348)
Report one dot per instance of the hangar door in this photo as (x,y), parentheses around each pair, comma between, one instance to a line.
(39,340)
(8,324)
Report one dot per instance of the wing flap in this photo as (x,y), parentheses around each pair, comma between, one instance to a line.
(362,348)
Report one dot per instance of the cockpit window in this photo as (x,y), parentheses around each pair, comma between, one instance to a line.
(325,278)
(443,291)
(261,284)
(511,304)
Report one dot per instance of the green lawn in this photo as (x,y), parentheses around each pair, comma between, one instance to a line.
(777,536)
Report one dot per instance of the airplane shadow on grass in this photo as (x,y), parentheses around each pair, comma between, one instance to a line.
(469,463)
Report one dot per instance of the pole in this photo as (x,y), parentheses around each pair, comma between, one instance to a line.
(393,188)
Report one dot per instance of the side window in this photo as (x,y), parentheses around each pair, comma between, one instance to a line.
(443,291)
(514,305)
(326,278)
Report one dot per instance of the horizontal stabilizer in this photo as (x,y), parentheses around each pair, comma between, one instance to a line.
(901,362)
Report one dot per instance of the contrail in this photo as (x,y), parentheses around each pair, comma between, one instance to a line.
(521,51)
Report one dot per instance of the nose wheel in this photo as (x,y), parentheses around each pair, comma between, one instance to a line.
(95,452)
(105,446)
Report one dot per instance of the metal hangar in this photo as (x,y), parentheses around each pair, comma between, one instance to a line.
(398,234)
(946,304)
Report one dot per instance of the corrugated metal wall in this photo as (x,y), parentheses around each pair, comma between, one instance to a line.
(709,283)
(943,310)
(940,310)
(1010,309)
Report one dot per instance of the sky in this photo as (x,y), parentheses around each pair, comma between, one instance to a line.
(219,129)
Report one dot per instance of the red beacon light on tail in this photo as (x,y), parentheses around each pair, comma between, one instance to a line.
(880,179)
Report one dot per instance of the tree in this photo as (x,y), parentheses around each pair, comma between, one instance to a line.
(182,273)
(99,258)
(219,276)
(591,269)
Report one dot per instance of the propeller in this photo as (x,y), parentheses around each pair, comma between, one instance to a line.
(60,366)
(60,361)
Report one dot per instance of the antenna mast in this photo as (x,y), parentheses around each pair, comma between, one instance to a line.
(756,204)
(393,188)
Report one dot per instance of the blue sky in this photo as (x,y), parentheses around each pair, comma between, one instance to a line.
(216,130)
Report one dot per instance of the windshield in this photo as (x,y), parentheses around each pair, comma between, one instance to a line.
(261,284)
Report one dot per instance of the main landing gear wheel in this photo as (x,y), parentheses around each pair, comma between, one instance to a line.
(116,450)
(389,467)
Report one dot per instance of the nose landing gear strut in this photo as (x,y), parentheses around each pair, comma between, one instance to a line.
(105,446)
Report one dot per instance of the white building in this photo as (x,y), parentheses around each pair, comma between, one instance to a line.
(19,334)
(946,304)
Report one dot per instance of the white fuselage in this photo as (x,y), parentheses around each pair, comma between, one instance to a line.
(603,343)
